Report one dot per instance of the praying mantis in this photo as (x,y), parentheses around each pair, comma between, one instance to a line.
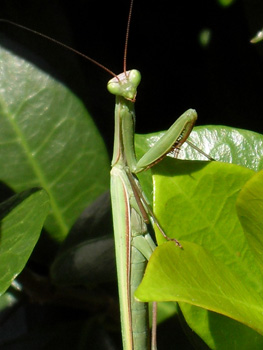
(131,211)
(133,243)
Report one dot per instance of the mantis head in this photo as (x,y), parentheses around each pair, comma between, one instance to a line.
(125,84)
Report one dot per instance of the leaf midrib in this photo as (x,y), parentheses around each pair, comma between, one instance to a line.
(36,168)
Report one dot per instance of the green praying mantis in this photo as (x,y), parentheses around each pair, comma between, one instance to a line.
(133,243)
(131,210)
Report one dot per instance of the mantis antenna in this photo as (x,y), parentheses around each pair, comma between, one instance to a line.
(78,52)
(60,44)
(127,38)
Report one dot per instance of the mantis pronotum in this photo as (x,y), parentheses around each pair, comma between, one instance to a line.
(131,211)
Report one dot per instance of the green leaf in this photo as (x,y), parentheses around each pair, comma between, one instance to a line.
(225,3)
(48,140)
(223,143)
(24,215)
(226,144)
(195,201)
(220,332)
(193,275)
(250,213)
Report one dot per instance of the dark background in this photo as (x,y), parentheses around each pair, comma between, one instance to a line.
(222,81)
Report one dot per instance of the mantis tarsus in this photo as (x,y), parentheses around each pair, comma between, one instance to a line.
(131,211)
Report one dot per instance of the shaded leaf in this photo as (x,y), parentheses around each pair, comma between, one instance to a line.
(92,261)
(7,300)
(95,221)
(87,254)
(220,332)
(225,3)
(20,230)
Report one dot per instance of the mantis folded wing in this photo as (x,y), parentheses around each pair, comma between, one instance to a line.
(131,211)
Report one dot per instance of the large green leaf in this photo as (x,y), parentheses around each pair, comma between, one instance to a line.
(23,217)
(250,212)
(194,276)
(196,201)
(48,140)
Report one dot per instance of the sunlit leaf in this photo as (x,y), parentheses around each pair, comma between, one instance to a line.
(48,140)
